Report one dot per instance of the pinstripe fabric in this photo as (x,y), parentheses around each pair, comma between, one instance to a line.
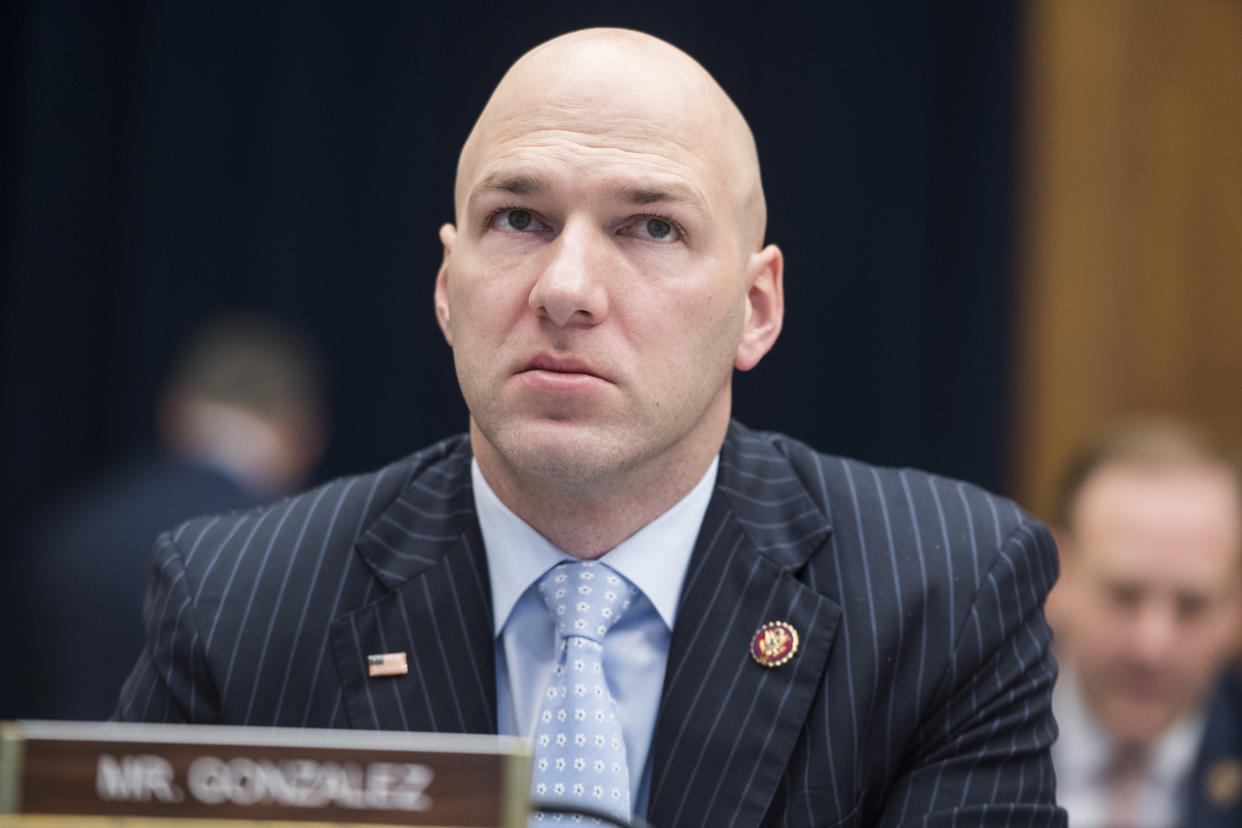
(919,694)
(267,617)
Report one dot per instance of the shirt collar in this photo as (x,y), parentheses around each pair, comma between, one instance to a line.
(1088,756)
(1175,752)
(654,558)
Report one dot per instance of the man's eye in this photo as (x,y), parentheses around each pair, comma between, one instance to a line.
(515,220)
(653,228)
(1192,607)
(659,229)
(1125,596)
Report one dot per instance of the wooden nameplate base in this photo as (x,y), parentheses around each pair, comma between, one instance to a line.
(117,771)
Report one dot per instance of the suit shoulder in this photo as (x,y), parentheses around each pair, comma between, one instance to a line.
(333,514)
(863,495)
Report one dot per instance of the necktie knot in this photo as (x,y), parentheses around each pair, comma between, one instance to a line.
(585,598)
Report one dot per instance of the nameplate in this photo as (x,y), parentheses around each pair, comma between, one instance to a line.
(280,774)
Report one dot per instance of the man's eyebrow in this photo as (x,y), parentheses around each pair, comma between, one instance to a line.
(521,184)
(514,184)
(673,194)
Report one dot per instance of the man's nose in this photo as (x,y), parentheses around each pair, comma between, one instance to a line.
(570,289)
(1155,632)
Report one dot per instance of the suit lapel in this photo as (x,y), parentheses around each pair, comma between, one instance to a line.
(1214,791)
(427,554)
(727,724)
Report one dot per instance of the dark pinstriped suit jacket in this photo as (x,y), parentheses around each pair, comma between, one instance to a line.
(919,694)
(1221,749)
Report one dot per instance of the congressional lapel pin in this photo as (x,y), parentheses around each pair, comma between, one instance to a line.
(387,664)
(774,644)
(1222,782)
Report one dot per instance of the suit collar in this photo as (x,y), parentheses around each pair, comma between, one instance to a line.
(769,500)
(727,725)
(425,521)
(763,491)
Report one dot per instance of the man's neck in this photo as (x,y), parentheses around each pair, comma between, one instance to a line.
(588,520)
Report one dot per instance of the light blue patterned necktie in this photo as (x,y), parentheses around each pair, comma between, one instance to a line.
(580,756)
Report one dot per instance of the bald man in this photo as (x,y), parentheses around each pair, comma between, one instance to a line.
(693,622)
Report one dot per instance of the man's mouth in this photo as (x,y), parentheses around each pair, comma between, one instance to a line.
(557,375)
(561,365)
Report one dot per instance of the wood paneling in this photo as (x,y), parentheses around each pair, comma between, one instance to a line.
(1131,236)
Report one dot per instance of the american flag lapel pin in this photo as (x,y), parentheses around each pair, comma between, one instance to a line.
(387,664)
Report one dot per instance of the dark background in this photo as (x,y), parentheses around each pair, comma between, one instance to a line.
(166,161)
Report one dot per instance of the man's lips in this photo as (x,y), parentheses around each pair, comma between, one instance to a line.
(561,365)
(561,374)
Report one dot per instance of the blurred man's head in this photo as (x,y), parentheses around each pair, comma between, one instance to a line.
(606,272)
(1147,608)
(247,395)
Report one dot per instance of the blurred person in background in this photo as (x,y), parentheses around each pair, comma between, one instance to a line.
(240,421)
(1146,616)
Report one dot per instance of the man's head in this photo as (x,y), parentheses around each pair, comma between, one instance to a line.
(606,271)
(1147,608)
(247,395)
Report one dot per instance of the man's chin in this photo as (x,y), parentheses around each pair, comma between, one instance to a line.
(1139,721)
(559,451)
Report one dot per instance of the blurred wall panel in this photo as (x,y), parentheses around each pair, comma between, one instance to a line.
(1131,237)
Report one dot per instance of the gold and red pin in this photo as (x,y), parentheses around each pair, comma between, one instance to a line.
(1222,782)
(774,644)
(387,664)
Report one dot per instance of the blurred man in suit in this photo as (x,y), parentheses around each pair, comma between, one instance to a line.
(1147,615)
(783,638)
(241,421)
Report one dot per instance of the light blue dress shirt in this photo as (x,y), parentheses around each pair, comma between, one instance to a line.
(654,559)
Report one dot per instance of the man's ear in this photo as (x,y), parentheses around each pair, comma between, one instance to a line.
(765,306)
(1067,552)
(1059,606)
(448,234)
(1233,613)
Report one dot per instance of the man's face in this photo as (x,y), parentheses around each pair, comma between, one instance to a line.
(597,291)
(1150,592)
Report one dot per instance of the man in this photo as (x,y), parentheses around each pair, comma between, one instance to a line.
(241,422)
(1146,616)
(802,639)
